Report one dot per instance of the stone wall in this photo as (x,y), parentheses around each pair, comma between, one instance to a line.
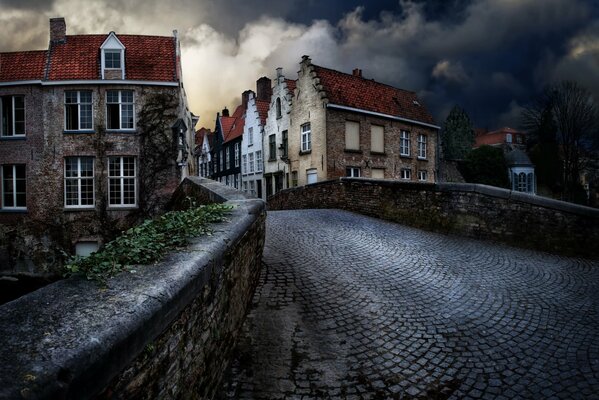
(472,210)
(165,331)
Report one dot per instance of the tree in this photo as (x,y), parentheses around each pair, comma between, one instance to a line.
(565,114)
(486,165)
(458,135)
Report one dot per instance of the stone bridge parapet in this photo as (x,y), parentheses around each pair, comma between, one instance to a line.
(471,210)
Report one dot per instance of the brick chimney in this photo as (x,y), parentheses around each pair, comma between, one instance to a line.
(263,89)
(58,30)
(357,72)
(225,112)
(245,97)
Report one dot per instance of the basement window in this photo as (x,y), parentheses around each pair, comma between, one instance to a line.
(85,249)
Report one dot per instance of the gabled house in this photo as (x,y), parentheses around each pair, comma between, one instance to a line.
(95,135)
(227,147)
(203,152)
(346,125)
(252,153)
(501,138)
(276,132)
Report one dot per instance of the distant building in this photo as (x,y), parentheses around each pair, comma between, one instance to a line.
(226,157)
(276,135)
(203,152)
(346,125)
(95,134)
(501,137)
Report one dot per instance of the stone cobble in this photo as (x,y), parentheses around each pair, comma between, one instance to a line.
(358,308)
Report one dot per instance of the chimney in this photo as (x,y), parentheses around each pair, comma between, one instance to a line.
(225,112)
(245,97)
(58,30)
(263,89)
(279,75)
(357,72)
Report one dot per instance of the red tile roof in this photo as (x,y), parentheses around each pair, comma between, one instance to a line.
(199,136)
(233,126)
(290,84)
(365,94)
(262,107)
(148,58)
(22,65)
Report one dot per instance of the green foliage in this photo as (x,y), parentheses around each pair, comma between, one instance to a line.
(457,135)
(148,242)
(486,165)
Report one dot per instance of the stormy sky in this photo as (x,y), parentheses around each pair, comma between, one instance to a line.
(488,56)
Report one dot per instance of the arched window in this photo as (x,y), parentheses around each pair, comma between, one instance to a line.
(278,107)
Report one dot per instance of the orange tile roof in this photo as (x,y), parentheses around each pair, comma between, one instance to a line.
(233,126)
(22,65)
(365,94)
(262,107)
(199,136)
(149,58)
(290,84)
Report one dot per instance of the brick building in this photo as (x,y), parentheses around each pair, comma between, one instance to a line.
(504,137)
(276,132)
(347,125)
(95,135)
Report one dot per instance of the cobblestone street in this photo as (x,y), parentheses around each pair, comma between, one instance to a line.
(354,307)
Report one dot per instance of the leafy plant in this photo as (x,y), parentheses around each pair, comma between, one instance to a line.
(148,242)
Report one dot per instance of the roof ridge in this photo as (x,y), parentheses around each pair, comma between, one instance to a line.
(360,77)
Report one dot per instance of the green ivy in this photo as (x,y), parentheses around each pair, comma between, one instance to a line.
(148,242)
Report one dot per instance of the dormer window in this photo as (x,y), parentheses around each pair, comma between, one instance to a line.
(113,58)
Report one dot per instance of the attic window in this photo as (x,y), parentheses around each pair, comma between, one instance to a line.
(416,103)
(112,59)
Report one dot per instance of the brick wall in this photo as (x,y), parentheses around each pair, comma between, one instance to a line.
(164,332)
(472,210)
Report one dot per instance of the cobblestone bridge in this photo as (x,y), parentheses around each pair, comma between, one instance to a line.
(354,307)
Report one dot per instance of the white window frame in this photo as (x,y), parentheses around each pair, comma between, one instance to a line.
(311,172)
(259,161)
(423,175)
(306,137)
(121,58)
(79,104)
(228,158)
(79,178)
(353,172)
(244,168)
(404,143)
(237,154)
(250,136)
(121,177)
(406,174)
(14,121)
(121,104)
(422,146)
(14,186)
(220,161)
(250,163)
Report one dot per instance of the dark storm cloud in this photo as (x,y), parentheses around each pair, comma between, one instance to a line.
(27,4)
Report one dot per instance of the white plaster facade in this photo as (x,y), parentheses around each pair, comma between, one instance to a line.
(252,154)
(276,136)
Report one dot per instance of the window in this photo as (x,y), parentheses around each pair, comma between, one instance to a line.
(244,168)
(236,181)
(272,148)
(377,139)
(278,107)
(12,114)
(378,173)
(422,146)
(284,144)
(353,172)
(84,249)
(245,187)
(252,188)
(78,110)
(237,155)
(119,109)
(14,193)
(250,136)
(294,182)
(220,161)
(311,176)
(406,173)
(79,182)
(122,182)
(259,161)
(251,163)
(422,175)
(352,135)
(306,137)
(112,59)
(404,144)
(508,138)
(227,158)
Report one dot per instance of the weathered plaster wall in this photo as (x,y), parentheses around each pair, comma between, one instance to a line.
(165,331)
(472,210)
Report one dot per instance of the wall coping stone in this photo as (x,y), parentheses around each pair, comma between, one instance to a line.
(70,338)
